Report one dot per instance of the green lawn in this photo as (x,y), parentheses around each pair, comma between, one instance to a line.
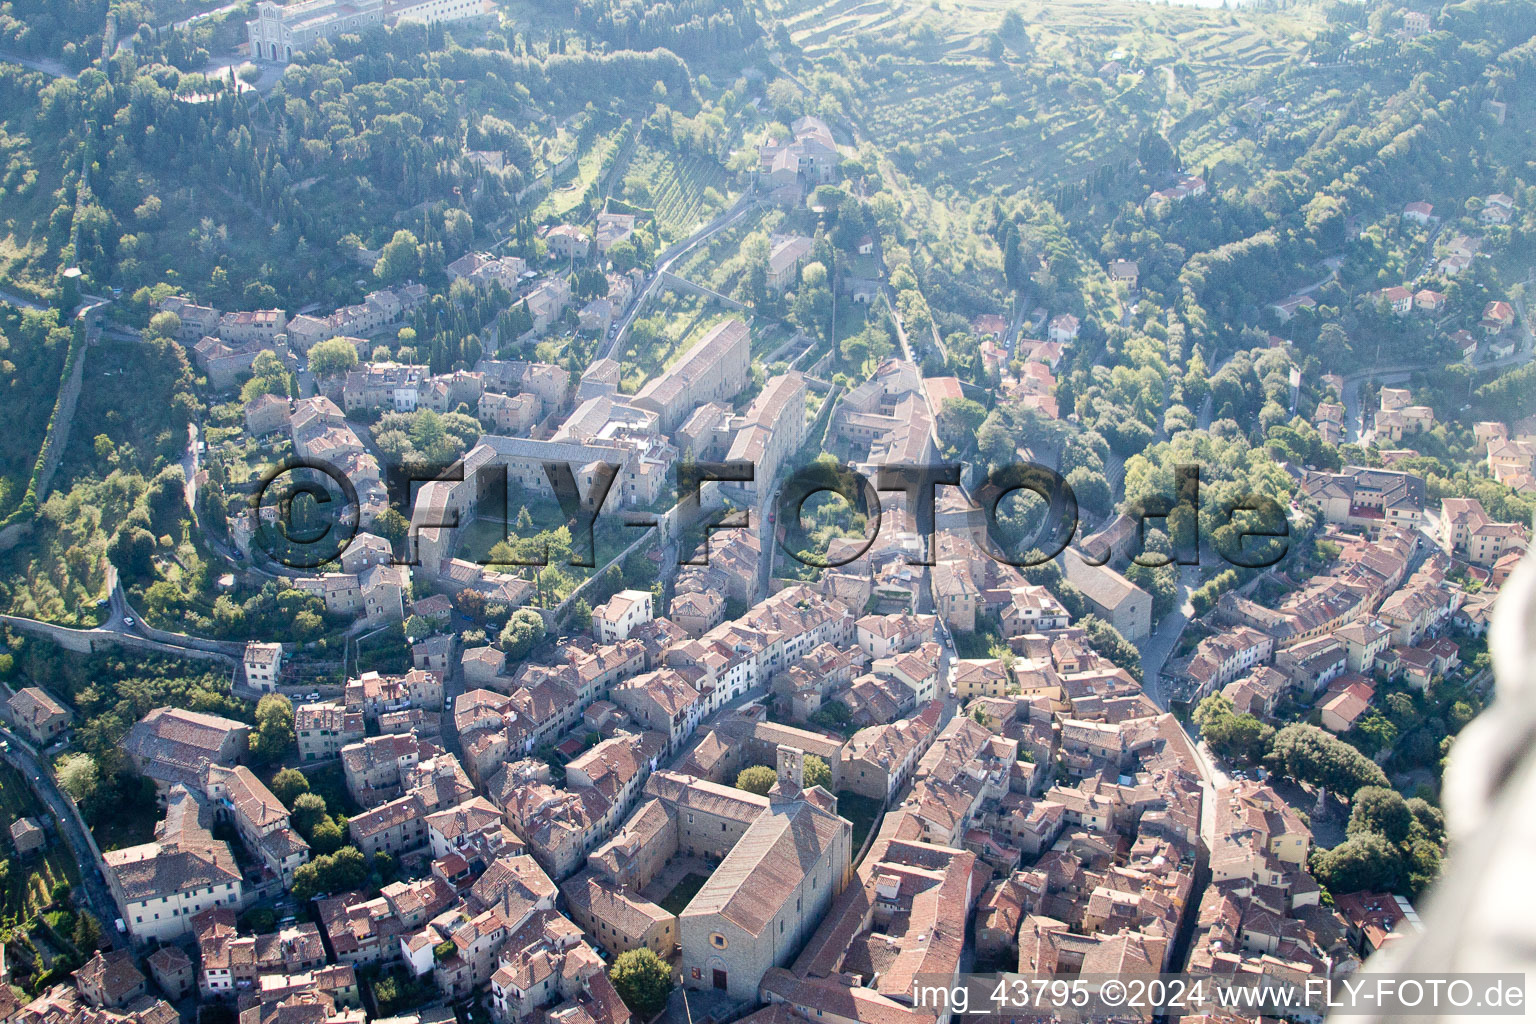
(570,186)
(862,811)
(677,900)
(330,782)
(127,826)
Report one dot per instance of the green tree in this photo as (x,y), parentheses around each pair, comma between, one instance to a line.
(522,632)
(87,933)
(164,324)
(78,776)
(327,837)
(273,736)
(333,356)
(817,773)
(341,871)
(1106,639)
(268,377)
(758,779)
(1427,818)
(958,422)
(1309,754)
(1230,734)
(132,551)
(1211,710)
(386,991)
(1091,489)
(166,500)
(288,785)
(399,259)
(1382,811)
(1364,861)
(1376,731)
(834,715)
(391,525)
(307,812)
(642,979)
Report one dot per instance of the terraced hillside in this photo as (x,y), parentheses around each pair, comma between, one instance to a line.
(676,186)
(958,102)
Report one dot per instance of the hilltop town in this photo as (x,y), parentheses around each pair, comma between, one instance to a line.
(743,512)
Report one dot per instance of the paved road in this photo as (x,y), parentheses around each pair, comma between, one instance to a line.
(1354,422)
(97,896)
(1159,647)
(115,625)
(189,466)
(1203,421)
(664,263)
(47,66)
(19,301)
(1212,778)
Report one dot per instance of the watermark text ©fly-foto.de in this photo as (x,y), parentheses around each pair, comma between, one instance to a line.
(1086,995)
(307,511)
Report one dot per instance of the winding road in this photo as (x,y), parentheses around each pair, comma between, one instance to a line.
(1354,415)
(48,66)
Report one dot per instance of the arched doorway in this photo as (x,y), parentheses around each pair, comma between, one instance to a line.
(716,974)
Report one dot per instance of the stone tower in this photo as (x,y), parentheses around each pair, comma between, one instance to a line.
(791,769)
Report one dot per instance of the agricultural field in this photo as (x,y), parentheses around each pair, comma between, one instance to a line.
(954,111)
(682,190)
(27,884)
(1236,139)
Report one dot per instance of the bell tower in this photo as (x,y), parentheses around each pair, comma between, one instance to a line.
(791,771)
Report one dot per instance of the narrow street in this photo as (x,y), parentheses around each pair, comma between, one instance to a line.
(97,897)
(1159,647)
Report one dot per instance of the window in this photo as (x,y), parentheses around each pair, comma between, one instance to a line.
(718,941)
